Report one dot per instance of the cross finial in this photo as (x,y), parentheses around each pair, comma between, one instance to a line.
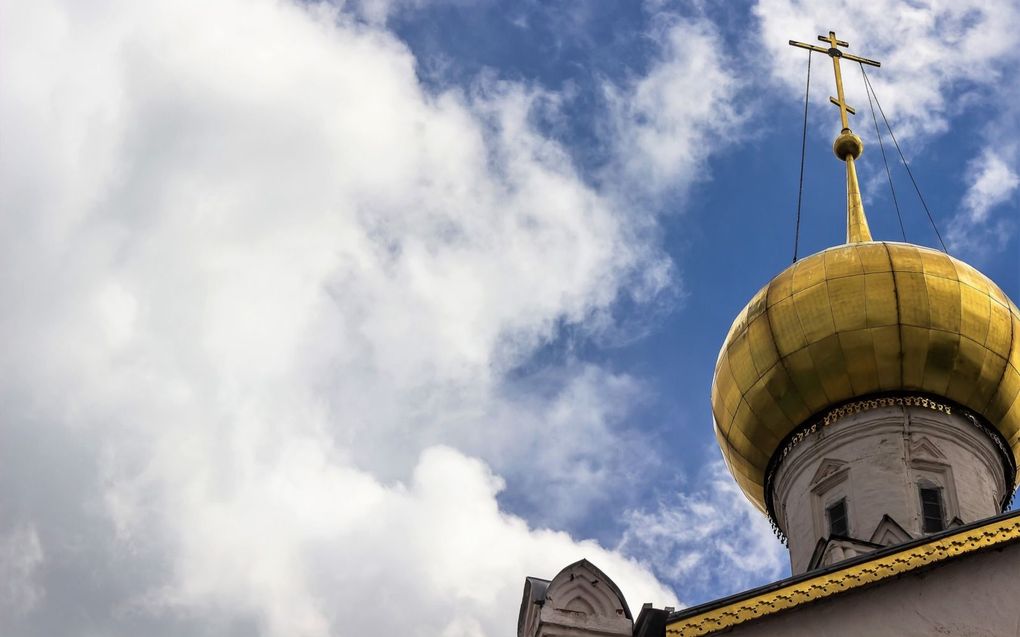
(836,54)
(847,146)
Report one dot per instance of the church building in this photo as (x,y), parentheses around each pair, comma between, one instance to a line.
(866,400)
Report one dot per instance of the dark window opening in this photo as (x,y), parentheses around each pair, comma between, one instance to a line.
(837,518)
(931,510)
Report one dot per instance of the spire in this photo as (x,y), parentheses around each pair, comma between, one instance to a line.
(848,147)
(857,229)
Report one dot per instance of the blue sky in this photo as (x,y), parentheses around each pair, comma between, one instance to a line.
(313,311)
(730,231)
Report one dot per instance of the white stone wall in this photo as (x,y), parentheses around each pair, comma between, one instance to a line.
(876,459)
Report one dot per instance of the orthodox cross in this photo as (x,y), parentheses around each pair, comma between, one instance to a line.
(834,52)
(848,147)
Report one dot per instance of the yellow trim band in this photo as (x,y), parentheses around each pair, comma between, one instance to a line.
(852,577)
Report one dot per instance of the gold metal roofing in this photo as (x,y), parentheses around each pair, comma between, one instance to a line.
(857,320)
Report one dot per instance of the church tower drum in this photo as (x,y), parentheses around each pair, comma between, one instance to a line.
(869,394)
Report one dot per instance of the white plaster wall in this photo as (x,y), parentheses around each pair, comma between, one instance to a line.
(972,596)
(875,460)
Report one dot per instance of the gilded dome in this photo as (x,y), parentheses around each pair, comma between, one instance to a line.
(858,320)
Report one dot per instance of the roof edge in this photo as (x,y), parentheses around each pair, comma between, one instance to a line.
(845,576)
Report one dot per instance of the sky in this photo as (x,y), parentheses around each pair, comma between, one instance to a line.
(341,318)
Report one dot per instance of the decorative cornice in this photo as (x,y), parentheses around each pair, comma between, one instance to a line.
(858,406)
(862,572)
(836,414)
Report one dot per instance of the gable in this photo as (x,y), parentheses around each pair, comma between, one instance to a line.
(581,599)
(583,590)
(924,448)
(828,468)
(889,533)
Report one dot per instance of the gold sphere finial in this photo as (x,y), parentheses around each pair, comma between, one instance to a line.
(848,145)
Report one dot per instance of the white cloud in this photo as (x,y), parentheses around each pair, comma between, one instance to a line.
(709,541)
(259,285)
(930,52)
(670,120)
(938,61)
(993,182)
(975,232)
(20,558)
(438,549)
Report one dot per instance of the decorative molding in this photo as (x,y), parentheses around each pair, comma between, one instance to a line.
(855,407)
(839,548)
(830,484)
(828,467)
(889,532)
(870,571)
(925,447)
(859,406)
(940,475)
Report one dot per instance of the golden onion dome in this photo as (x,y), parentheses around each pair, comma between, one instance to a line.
(859,320)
